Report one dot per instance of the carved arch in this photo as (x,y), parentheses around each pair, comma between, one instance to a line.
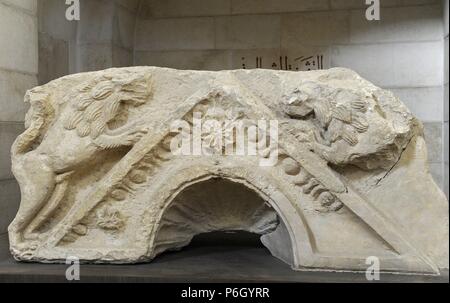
(300,238)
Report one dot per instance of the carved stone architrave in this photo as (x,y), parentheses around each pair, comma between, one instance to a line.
(347,179)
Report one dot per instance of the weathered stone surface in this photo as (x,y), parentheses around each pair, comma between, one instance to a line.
(345,175)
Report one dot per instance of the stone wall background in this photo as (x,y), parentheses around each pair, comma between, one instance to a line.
(104,37)
(18,72)
(406,52)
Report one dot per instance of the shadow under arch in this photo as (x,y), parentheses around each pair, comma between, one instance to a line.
(291,224)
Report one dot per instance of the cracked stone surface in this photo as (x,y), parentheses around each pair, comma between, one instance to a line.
(100,179)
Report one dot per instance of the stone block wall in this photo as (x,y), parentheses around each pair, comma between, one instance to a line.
(102,38)
(18,72)
(403,52)
(57,39)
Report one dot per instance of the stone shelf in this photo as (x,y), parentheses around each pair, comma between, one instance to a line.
(215,257)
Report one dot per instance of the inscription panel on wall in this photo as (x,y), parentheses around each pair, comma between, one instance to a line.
(292,60)
(300,63)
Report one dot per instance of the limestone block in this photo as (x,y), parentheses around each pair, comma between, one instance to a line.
(191,59)
(393,65)
(446,59)
(96,23)
(13,86)
(424,102)
(345,4)
(446,102)
(419,2)
(4,253)
(128,163)
(315,29)
(21,51)
(29,6)
(446,179)
(52,20)
(415,23)
(91,57)
(248,32)
(132,5)
(73,49)
(445,8)
(280,6)
(124,26)
(121,57)
(433,134)
(182,8)
(175,34)
(296,59)
(8,132)
(53,58)
(9,202)
(437,172)
(446,143)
